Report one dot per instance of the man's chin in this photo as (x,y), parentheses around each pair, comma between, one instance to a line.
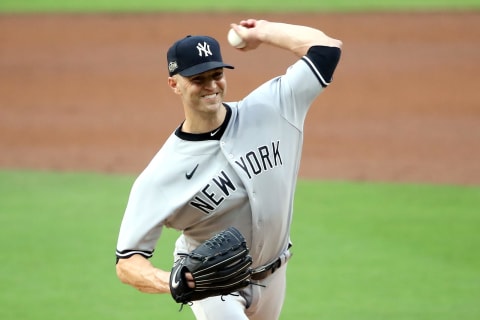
(213,103)
(212,100)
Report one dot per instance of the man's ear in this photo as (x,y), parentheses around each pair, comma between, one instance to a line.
(173,84)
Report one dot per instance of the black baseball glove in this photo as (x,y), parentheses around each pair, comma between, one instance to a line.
(219,266)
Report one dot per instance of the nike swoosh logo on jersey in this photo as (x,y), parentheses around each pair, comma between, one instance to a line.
(214,132)
(189,175)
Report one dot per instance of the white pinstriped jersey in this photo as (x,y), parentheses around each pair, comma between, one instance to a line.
(245,179)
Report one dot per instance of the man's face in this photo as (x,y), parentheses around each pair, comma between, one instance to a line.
(203,92)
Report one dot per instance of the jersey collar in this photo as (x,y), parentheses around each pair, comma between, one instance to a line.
(215,134)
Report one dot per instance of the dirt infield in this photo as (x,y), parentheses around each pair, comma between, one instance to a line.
(88,92)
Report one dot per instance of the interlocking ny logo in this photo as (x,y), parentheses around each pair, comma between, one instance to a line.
(205,49)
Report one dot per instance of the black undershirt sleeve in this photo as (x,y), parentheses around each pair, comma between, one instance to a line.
(323,61)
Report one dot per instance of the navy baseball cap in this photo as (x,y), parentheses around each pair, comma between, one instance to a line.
(193,55)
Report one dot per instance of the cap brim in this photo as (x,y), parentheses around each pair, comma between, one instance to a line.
(200,68)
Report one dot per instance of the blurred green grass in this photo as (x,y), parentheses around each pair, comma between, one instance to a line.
(385,251)
(232,5)
(361,251)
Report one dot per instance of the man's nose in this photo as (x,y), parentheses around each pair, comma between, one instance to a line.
(211,84)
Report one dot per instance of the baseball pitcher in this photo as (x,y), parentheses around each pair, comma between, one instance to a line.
(226,177)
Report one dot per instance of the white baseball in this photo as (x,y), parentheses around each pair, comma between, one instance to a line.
(235,40)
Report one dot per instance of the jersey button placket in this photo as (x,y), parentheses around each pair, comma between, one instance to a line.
(258,223)
(222,146)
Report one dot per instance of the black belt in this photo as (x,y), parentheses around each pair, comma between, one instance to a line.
(267,270)
(263,272)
